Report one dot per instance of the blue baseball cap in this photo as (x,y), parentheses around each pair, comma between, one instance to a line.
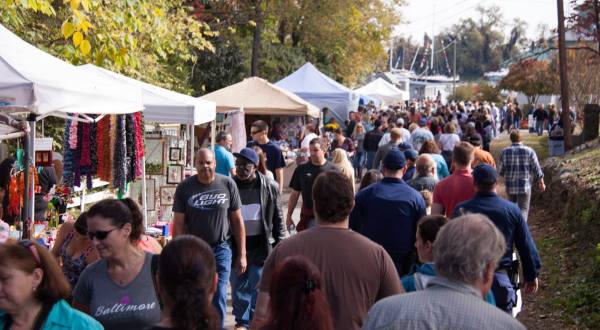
(394,160)
(410,154)
(249,154)
(423,121)
(484,174)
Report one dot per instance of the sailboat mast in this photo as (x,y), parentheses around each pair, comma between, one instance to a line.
(433,39)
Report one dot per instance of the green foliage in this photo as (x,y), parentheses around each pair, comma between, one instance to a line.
(155,41)
(481,91)
(532,78)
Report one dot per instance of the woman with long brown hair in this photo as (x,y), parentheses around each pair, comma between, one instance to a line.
(297,300)
(33,290)
(187,280)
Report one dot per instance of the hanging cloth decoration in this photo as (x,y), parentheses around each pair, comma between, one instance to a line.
(120,155)
(67,156)
(139,143)
(130,148)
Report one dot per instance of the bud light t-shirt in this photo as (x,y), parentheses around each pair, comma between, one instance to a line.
(133,306)
(207,207)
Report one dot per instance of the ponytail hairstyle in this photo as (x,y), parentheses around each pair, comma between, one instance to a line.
(297,300)
(120,212)
(27,256)
(186,272)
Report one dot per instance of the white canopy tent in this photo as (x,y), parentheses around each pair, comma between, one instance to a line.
(381,89)
(315,87)
(163,106)
(38,83)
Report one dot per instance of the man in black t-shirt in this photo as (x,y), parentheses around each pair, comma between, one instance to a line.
(207,205)
(275,160)
(302,183)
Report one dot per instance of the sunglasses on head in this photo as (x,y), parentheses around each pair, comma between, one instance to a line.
(30,246)
(100,235)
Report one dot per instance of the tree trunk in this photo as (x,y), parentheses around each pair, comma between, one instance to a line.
(256,42)
(564,84)
(597,21)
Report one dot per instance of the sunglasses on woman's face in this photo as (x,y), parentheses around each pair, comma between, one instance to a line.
(100,235)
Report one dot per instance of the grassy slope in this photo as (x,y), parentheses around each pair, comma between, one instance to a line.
(566,237)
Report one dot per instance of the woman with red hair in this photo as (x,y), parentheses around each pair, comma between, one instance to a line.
(296,297)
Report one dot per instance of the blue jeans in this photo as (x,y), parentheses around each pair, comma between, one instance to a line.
(223,262)
(358,162)
(370,159)
(504,292)
(539,127)
(244,291)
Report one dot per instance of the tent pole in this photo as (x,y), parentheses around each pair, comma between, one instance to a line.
(213,133)
(29,179)
(144,197)
(192,142)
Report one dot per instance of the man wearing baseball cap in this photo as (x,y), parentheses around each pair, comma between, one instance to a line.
(387,212)
(508,219)
(264,223)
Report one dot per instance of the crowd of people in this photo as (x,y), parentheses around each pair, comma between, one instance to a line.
(424,241)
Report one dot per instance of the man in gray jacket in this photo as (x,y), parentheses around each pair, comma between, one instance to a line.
(466,252)
(264,223)
(395,142)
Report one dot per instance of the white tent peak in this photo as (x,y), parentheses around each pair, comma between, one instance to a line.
(379,88)
(308,77)
(44,84)
(257,96)
(162,105)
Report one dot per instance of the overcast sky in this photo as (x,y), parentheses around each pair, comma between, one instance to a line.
(419,14)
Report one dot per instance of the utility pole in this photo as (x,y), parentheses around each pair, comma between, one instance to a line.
(564,86)
(256,41)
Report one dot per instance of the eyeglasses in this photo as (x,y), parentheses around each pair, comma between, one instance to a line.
(100,235)
(247,166)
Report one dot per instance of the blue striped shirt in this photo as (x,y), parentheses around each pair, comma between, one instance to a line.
(519,166)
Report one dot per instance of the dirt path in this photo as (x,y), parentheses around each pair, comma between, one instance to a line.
(537,311)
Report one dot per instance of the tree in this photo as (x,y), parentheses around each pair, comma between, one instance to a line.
(585,19)
(532,78)
(150,40)
(583,78)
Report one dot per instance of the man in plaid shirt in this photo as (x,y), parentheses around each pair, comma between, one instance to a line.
(520,168)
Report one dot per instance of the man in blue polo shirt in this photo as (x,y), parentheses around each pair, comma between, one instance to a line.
(387,212)
(508,218)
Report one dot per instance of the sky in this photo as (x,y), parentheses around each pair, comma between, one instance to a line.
(419,14)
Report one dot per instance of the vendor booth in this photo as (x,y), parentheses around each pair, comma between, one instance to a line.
(384,91)
(257,99)
(167,160)
(35,84)
(316,88)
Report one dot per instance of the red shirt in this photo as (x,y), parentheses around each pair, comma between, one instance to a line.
(453,190)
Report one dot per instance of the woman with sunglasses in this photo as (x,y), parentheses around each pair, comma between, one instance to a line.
(33,291)
(117,290)
(74,249)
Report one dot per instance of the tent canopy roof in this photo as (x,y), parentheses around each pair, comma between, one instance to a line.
(44,84)
(258,96)
(162,105)
(381,88)
(308,79)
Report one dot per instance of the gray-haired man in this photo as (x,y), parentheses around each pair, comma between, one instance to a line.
(465,254)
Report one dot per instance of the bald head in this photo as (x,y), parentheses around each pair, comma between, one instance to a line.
(205,165)
(425,165)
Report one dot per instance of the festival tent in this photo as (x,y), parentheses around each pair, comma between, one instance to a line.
(40,84)
(257,96)
(162,105)
(317,88)
(381,89)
